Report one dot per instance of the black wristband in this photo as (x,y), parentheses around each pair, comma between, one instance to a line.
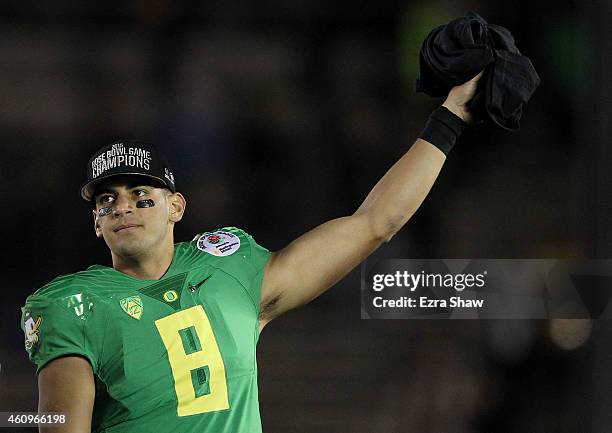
(442,129)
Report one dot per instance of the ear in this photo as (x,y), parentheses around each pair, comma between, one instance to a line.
(97,227)
(176,205)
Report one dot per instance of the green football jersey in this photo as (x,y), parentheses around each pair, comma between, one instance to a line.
(170,355)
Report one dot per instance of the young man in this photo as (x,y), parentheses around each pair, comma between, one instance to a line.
(165,339)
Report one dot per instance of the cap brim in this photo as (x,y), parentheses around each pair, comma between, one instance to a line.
(88,189)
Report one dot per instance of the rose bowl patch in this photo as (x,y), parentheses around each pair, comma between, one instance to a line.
(219,243)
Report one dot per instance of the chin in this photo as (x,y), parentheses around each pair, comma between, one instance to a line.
(129,248)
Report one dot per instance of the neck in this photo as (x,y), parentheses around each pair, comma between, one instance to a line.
(149,266)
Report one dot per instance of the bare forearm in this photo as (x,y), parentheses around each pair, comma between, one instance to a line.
(398,195)
(400,192)
(66,386)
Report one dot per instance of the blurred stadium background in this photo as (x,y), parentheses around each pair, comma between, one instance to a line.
(278,116)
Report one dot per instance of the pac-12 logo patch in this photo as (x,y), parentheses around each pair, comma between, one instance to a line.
(219,243)
(132,305)
(31,328)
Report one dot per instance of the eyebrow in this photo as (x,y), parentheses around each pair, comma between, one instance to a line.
(130,185)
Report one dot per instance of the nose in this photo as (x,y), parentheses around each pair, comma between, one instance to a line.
(122,205)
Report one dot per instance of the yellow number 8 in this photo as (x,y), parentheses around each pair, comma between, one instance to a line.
(195,359)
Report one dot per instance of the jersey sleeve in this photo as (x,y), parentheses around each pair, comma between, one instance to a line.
(59,327)
(237,253)
(259,257)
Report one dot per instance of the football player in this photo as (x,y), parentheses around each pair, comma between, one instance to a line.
(165,339)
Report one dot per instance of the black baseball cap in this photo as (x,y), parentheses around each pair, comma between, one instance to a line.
(127,157)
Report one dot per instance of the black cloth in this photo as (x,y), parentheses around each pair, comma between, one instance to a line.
(454,53)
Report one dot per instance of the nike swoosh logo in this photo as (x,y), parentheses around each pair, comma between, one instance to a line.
(195,287)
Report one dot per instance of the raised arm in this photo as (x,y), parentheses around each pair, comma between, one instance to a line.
(66,385)
(318,259)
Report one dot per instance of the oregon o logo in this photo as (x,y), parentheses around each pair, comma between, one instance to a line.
(170,296)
